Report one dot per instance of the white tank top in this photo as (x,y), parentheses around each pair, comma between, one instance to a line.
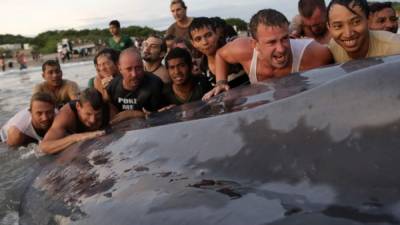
(297,46)
(22,121)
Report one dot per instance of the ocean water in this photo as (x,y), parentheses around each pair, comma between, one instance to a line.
(20,166)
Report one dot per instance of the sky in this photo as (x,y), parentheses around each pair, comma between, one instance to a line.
(31,17)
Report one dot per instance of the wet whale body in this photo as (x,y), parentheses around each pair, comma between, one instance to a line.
(319,147)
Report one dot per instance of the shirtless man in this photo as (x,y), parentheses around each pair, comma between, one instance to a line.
(154,50)
(30,124)
(382,16)
(136,92)
(79,120)
(351,38)
(118,41)
(182,22)
(269,53)
(205,38)
(62,90)
(313,20)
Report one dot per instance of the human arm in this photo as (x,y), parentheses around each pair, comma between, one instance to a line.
(237,51)
(56,139)
(15,137)
(316,55)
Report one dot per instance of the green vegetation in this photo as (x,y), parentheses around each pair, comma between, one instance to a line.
(396,6)
(46,42)
(239,23)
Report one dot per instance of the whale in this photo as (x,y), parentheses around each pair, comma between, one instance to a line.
(316,147)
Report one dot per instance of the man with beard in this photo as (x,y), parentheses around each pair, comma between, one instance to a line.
(30,124)
(182,22)
(62,90)
(136,92)
(154,50)
(79,120)
(184,87)
(313,20)
(351,38)
(269,53)
(382,16)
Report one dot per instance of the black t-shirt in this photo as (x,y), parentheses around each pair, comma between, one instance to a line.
(201,87)
(147,95)
(232,69)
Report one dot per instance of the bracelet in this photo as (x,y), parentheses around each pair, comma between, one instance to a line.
(221,82)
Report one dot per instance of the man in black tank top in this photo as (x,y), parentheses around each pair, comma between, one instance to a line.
(79,120)
(136,91)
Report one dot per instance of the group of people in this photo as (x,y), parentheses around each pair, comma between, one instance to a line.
(197,59)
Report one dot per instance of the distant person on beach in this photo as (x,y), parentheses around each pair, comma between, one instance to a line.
(136,92)
(106,63)
(30,124)
(311,22)
(153,53)
(182,22)
(62,90)
(351,38)
(184,87)
(79,120)
(169,41)
(21,59)
(269,53)
(118,41)
(382,16)
(3,63)
(206,39)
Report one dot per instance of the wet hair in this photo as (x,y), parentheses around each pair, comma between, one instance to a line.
(92,96)
(173,2)
(51,63)
(267,17)
(378,6)
(179,53)
(199,23)
(110,53)
(307,7)
(42,97)
(163,45)
(115,23)
(349,4)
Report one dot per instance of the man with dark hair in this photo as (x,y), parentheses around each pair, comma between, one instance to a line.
(154,51)
(313,20)
(269,53)
(79,120)
(30,124)
(105,62)
(136,91)
(351,38)
(382,16)
(184,87)
(118,41)
(62,90)
(182,22)
(169,41)
(205,39)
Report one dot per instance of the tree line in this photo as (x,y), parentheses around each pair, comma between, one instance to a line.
(46,42)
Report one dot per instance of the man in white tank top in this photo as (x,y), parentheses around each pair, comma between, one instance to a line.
(269,53)
(30,124)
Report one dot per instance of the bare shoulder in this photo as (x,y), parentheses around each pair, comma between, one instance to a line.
(65,117)
(238,50)
(316,55)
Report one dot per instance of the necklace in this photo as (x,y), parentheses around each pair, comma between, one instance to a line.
(159,65)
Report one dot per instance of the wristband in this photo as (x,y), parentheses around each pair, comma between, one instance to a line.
(221,82)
